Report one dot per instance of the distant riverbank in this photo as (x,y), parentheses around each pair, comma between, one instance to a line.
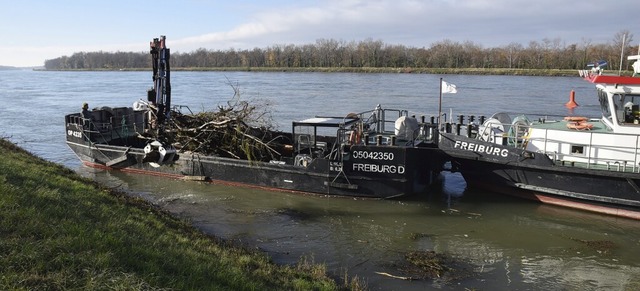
(458,71)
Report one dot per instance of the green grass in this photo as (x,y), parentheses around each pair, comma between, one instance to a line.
(62,231)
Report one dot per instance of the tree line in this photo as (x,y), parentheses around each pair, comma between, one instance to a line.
(331,53)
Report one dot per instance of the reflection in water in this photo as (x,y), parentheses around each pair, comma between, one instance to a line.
(505,241)
(577,273)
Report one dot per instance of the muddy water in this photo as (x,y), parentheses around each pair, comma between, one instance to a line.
(496,242)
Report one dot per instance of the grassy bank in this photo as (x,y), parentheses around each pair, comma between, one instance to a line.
(61,231)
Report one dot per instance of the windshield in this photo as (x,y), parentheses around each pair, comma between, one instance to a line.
(627,108)
(604,105)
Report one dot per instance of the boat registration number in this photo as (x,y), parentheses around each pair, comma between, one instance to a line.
(74,133)
(366,155)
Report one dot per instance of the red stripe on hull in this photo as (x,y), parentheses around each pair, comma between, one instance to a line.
(132,170)
(587,206)
(560,201)
(212,181)
(605,79)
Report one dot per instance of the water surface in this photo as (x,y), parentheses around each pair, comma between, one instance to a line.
(507,243)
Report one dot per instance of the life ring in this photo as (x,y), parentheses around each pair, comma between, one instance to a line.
(579,125)
(576,118)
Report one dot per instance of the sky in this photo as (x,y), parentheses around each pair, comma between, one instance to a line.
(32,31)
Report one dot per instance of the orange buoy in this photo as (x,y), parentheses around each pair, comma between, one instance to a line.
(572,100)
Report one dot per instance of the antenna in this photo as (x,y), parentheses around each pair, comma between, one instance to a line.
(624,39)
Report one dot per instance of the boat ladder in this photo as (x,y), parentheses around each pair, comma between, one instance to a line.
(347,185)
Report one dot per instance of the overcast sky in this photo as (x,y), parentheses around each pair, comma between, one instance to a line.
(33,31)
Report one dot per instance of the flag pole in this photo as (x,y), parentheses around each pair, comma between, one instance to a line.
(440,104)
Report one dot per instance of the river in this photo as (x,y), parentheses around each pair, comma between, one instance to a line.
(499,242)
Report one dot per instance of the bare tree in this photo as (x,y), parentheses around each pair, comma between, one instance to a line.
(620,42)
(513,52)
(544,54)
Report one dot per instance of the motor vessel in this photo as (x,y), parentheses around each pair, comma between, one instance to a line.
(589,163)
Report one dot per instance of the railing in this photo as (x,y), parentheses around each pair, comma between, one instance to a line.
(378,120)
(588,156)
(117,127)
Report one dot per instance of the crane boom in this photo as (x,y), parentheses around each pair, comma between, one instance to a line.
(161,92)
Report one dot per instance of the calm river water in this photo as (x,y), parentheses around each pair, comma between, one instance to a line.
(505,243)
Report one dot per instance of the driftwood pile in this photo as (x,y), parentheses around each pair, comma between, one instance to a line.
(240,130)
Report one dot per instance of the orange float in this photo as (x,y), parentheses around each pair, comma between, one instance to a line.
(579,125)
(576,119)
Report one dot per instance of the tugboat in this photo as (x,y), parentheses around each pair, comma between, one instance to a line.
(579,162)
(380,153)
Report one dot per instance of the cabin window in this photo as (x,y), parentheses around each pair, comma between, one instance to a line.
(577,149)
(604,104)
(627,108)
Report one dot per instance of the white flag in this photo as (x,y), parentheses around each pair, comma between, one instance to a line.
(448,88)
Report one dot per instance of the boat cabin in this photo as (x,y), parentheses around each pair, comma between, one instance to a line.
(611,142)
(620,102)
(320,137)
(330,137)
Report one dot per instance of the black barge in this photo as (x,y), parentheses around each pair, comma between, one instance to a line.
(381,153)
